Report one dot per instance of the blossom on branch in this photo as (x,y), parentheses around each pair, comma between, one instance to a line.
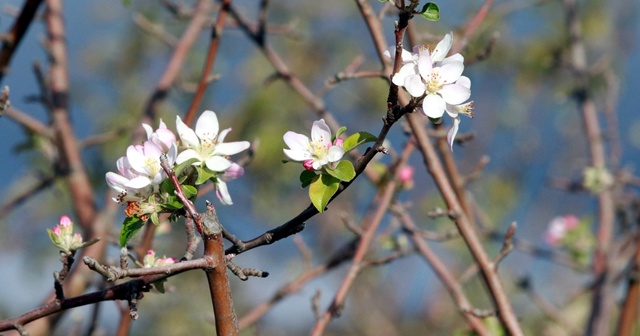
(316,152)
(436,80)
(206,145)
(63,237)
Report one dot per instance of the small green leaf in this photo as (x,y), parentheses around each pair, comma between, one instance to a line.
(159,285)
(321,189)
(172,203)
(358,139)
(306,177)
(344,171)
(130,227)
(204,175)
(431,11)
(179,169)
(339,132)
(155,219)
(166,186)
(189,191)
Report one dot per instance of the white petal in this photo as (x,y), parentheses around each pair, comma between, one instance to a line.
(454,94)
(433,106)
(451,111)
(450,72)
(453,58)
(335,153)
(424,64)
(297,155)
(116,182)
(223,134)
(414,85)
(231,148)
(139,182)
(320,132)
(218,163)
(207,125)
(135,157)
(452,132)
(147,129)
(296,141)
(186,134)
(464,81)
(442,49)
(406,70)
(188,154)
(223,193)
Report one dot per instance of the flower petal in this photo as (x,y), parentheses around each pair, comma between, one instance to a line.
(464,81)
(450,72)
(414,85)
(335,153)
(116,182)
(207,126)
(453,58)
(218,163)
(453,131)
(425,67)
(296,141)
(406,70)
(139,182)
(320,133)
(148,130)
(188,154)
(186,134)
(231,148)
(433,106)
(454,94)
(223,193)
(442,49)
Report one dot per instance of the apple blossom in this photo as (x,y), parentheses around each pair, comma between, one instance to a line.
(232,173)
(558,228)
(316,152)
(206,145)
(149,260)
(163,137)
(438,81)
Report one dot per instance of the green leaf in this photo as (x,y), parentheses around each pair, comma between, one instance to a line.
(155,219)
(189,191)
(172,204)
(339,132)
(431,11)
(306,177)
(166,186)
(321,189)
(357,139)
(179,169)
(130,227)
(204,175)
(159,285)
(344,171)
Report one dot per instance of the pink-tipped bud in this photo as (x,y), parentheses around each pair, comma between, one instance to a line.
(338,142)
(308,165)
(65,221)
(57,231)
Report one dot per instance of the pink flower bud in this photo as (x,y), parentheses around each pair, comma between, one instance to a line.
(65,221)
(57,231)
(308,164)
(338,142)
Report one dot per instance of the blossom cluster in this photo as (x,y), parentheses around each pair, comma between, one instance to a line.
(559,227)
(140,175)
(315,152)
(150,260)
(63,237)
(437,80)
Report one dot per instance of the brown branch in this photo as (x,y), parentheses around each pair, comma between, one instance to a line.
(216,36)
(487,267)
(219,288)
(14,36)
(370,225)
(629,312)
(448,280)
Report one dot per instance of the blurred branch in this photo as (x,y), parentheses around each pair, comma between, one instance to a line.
(453,287)
(598,323)
(214,43)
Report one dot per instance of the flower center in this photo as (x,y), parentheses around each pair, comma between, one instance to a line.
(433,84)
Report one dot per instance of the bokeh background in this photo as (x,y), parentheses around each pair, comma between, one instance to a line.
(525,122)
